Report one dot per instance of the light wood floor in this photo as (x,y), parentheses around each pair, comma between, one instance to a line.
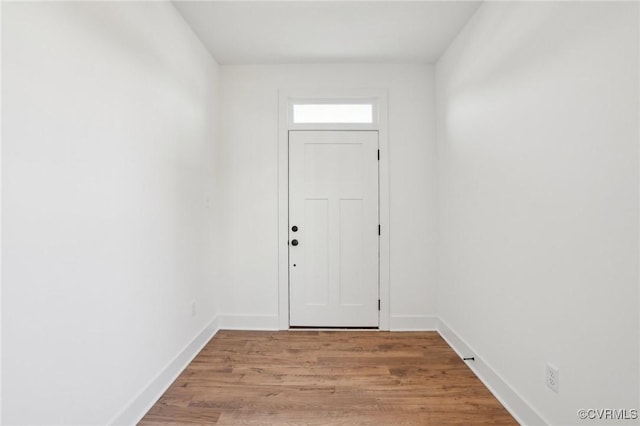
(327,378)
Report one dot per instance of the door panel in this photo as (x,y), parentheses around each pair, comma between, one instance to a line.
(351,256)
(316,272)
(333,200)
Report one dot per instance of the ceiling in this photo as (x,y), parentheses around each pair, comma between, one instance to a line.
(286,32)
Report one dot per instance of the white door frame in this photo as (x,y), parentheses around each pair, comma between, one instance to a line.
(286,100)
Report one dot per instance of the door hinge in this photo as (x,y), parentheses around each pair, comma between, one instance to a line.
(378,304)
(378,155)
(379,230)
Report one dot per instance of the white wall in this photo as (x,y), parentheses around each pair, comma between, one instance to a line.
(108,159)
(538,199)
(248,166)
(0,221)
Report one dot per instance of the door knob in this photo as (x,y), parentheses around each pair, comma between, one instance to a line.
(294,228)
(294,242)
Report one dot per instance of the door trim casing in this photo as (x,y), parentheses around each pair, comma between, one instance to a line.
(286,99)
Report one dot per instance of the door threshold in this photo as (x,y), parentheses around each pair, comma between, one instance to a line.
(307,328)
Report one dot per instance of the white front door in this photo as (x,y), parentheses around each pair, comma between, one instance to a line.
(333,228)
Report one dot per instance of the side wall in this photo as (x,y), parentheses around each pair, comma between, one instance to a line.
(538,199)
(108,113)
(248,164)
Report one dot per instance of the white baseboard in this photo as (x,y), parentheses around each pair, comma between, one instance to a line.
(138,407)
(413,323)
(512,401)
(249,322)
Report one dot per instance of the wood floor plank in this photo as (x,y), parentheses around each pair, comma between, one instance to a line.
(327,378)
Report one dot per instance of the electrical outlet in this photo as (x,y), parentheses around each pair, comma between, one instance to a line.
(553,377)
(193,308)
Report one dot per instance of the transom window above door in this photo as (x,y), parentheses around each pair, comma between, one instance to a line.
(326,113)
(347,112)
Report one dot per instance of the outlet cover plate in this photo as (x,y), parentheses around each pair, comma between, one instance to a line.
(553,377)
